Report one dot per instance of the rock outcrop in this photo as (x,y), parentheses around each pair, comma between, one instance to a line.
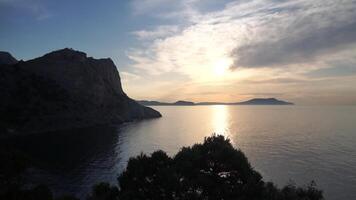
(6,58)
(64,89)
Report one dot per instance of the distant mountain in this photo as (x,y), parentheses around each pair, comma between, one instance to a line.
(184,103)
(63,89)
(263,101)
(6,58)
(256,101)
(157,103)
(153,103)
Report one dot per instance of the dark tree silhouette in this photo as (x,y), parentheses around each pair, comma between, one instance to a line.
(104,191)
(212,170)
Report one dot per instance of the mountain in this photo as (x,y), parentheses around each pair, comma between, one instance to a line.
(64,89)
(256,101)
(263,101)
(158,103)
(184,103)
(6,58)
(153,103)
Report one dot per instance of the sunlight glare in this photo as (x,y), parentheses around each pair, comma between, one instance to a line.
(221,66)
(220,120)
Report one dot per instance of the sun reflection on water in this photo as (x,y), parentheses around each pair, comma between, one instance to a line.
(220,120)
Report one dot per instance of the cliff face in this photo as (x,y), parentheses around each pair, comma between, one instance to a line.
(6,58)
(64,89)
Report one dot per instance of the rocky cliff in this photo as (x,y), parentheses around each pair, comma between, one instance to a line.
(64,89)
(6,58)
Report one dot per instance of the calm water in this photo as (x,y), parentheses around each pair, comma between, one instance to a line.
(284,143)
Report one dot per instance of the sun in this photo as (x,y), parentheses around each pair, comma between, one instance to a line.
(221,66)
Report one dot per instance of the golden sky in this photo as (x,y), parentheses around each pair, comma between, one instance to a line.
(302,51)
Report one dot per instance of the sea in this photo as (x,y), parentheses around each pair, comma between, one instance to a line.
(286,144)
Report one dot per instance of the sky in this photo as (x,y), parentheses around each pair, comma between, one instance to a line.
(302,51)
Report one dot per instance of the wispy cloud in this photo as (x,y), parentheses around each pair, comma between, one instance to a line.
(158,32)
(128,76)
(266,33)
(35,8)
(297,32)
(167,9)
(336,68)
(289,38)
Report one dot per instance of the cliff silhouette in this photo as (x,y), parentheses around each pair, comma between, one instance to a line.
(63,89)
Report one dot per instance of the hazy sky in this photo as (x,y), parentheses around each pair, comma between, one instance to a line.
(201,50)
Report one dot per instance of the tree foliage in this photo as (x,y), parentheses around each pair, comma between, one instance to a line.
(212,170)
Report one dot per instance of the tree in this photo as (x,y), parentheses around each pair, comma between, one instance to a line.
(212,170)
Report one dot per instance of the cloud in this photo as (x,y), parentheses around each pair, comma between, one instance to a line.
(298,33)
(277,81)
(147,6)
(282,46)
(193,51)
(263,94)
(338,68)
(259,33)
(127,76)
(158,32)
(34,8)
(167,9)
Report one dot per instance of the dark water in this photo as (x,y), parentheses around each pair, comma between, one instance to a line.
(284,143)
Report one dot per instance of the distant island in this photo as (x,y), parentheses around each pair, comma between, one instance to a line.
(255,101)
